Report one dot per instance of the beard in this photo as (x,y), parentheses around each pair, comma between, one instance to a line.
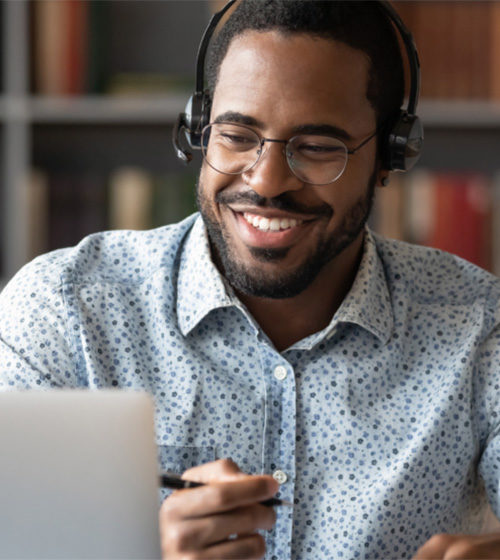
(280,284)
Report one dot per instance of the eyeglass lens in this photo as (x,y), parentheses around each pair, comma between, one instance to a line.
(233,149)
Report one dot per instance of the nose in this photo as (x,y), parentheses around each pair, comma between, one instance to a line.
(271,175)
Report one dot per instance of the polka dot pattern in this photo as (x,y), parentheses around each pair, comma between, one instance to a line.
(386,423)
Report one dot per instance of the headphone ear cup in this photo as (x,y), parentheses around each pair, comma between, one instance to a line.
(404,143)
(196,117)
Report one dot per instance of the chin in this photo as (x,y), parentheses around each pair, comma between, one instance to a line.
(266,276)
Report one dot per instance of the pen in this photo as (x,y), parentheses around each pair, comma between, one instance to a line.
(175,482)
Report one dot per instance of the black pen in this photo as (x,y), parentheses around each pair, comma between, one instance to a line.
(175,482)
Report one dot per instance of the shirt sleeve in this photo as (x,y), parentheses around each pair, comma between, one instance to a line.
(35,346)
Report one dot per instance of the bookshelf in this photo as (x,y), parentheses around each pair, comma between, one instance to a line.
(93,134)
(90,134)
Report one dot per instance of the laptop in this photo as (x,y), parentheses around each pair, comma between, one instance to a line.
(78,475)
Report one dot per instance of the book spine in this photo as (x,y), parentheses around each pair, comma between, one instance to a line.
(420,208)
(97,32)
(77,47)
(38,213)
(51,45)
(388,210)
(463,216)
(77,207)
(130,199)
(494,51)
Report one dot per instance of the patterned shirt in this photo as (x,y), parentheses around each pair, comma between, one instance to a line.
(383,428)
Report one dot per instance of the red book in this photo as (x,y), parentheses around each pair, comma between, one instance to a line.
(463,217)
(443,232)
(76,55)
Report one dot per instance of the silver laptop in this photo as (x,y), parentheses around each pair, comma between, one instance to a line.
(78,475)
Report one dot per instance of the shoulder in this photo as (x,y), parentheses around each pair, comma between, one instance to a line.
(122,256)
(114,257)
(430,276)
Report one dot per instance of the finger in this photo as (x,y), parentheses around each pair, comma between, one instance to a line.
(249,547)
(479,547)
(196,534)
(218,497)
(216,470)
(435,548)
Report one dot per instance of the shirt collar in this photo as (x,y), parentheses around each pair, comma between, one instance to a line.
(368,302)
(201,289)
(200,286)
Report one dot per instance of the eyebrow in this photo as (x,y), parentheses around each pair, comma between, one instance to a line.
(240,118)
(323,129)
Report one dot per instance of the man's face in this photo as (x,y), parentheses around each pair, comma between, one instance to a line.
(278,85)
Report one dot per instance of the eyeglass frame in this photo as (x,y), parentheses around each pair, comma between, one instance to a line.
(263,140)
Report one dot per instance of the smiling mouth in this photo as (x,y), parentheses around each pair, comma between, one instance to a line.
(271,224)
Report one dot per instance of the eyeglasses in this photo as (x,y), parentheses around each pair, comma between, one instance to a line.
(235,148)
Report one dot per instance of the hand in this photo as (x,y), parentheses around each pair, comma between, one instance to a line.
(196,523)
(460,547)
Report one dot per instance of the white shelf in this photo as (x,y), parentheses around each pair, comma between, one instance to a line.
(460,114)
(93,109)
(164,110)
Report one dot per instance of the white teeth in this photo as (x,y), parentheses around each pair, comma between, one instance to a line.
(273,224)
(263,224)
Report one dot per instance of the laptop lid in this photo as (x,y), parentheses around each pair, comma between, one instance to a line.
(78,475)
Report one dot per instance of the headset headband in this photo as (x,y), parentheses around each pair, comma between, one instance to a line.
(202,49)
(411,53)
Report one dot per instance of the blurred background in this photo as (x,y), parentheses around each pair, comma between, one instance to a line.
(90,90)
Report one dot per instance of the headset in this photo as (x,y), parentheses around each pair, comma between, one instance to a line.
(401,145)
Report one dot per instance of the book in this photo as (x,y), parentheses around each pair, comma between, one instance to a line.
(174,198)
(76,56)
(463,217)
(419,208)
(452,212)
(77,207)
(130,199)
(494,51)
(388,209)
(97,52)
(37,213)
(458,44)
(51,45)
(145,84)
(60,46)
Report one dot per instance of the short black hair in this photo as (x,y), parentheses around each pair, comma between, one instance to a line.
(360,25)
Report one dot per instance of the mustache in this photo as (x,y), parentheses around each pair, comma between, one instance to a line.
(282,202)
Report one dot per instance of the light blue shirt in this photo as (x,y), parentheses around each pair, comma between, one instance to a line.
(383,427)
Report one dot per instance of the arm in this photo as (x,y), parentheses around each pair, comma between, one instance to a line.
(36,351)
(460,547)
(486,379)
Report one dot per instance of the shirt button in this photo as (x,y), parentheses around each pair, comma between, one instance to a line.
(280,477)
(280,372)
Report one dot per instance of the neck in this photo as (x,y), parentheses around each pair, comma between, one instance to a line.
(286,321)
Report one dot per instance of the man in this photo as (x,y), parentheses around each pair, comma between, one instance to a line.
(277,334)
